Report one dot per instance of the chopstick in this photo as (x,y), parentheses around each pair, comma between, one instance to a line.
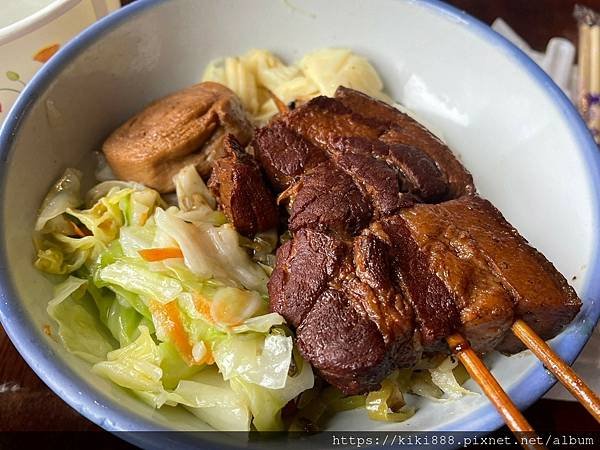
(493,391)
(594,106)
(560,369)
(583,68)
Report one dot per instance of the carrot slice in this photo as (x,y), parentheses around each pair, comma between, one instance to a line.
(203,307)
(160,254)
(169,321)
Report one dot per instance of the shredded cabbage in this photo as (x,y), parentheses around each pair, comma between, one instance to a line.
(79,327)
(263,361)
(192,193)
(213,252)
(140,280)
(135,366)
(211,399)
(443,377)
(68,238)
(174,367)
(168,303)
(260,324)
(121,319)
(387,404)
(266,404)
(421,384)
(64,195)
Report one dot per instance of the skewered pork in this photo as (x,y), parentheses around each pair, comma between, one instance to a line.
(392,249)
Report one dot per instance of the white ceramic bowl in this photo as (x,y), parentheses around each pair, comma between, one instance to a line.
(30,33)
(511,126)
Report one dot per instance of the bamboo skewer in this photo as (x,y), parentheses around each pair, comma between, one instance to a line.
(492,389)
(560,369)
(589,67)
(584,69)
(594,107)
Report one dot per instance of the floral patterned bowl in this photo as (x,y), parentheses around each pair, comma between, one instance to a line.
(29,42)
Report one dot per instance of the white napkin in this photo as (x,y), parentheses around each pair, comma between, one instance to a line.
(558,62)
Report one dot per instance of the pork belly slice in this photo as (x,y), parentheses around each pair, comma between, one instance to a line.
(415,171)
(352,324)
(351,124)
(346,349)
(380,183)
(485,308)
(284,155)
(541,294)
(324,119)
(435,311)
(376,294)
(329,125)
(334,172)
(403,129)
(241,192)
(305,265)
(318,193)
(328,199)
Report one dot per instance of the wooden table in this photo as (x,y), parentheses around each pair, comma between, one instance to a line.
(26,404)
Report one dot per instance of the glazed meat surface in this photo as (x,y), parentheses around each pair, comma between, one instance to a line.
(392,249)
(541,295)
(405,130)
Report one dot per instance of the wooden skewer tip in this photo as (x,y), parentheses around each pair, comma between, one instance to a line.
(483,377)
(558,367)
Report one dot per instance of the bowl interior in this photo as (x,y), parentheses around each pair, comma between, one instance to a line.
(527,152)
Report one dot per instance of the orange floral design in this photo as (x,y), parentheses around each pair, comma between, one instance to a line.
(46,53)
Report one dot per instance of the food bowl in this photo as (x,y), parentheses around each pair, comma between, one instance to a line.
(529,152)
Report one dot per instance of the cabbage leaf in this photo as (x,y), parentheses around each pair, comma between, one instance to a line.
(64,195)
(266,404)
(211,399)
(254,358)
(79,328)
(213,252)
(136,278)
(135,366)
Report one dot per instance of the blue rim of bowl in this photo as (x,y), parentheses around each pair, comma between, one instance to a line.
(95,405)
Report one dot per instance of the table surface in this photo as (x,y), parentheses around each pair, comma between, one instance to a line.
(26,404)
